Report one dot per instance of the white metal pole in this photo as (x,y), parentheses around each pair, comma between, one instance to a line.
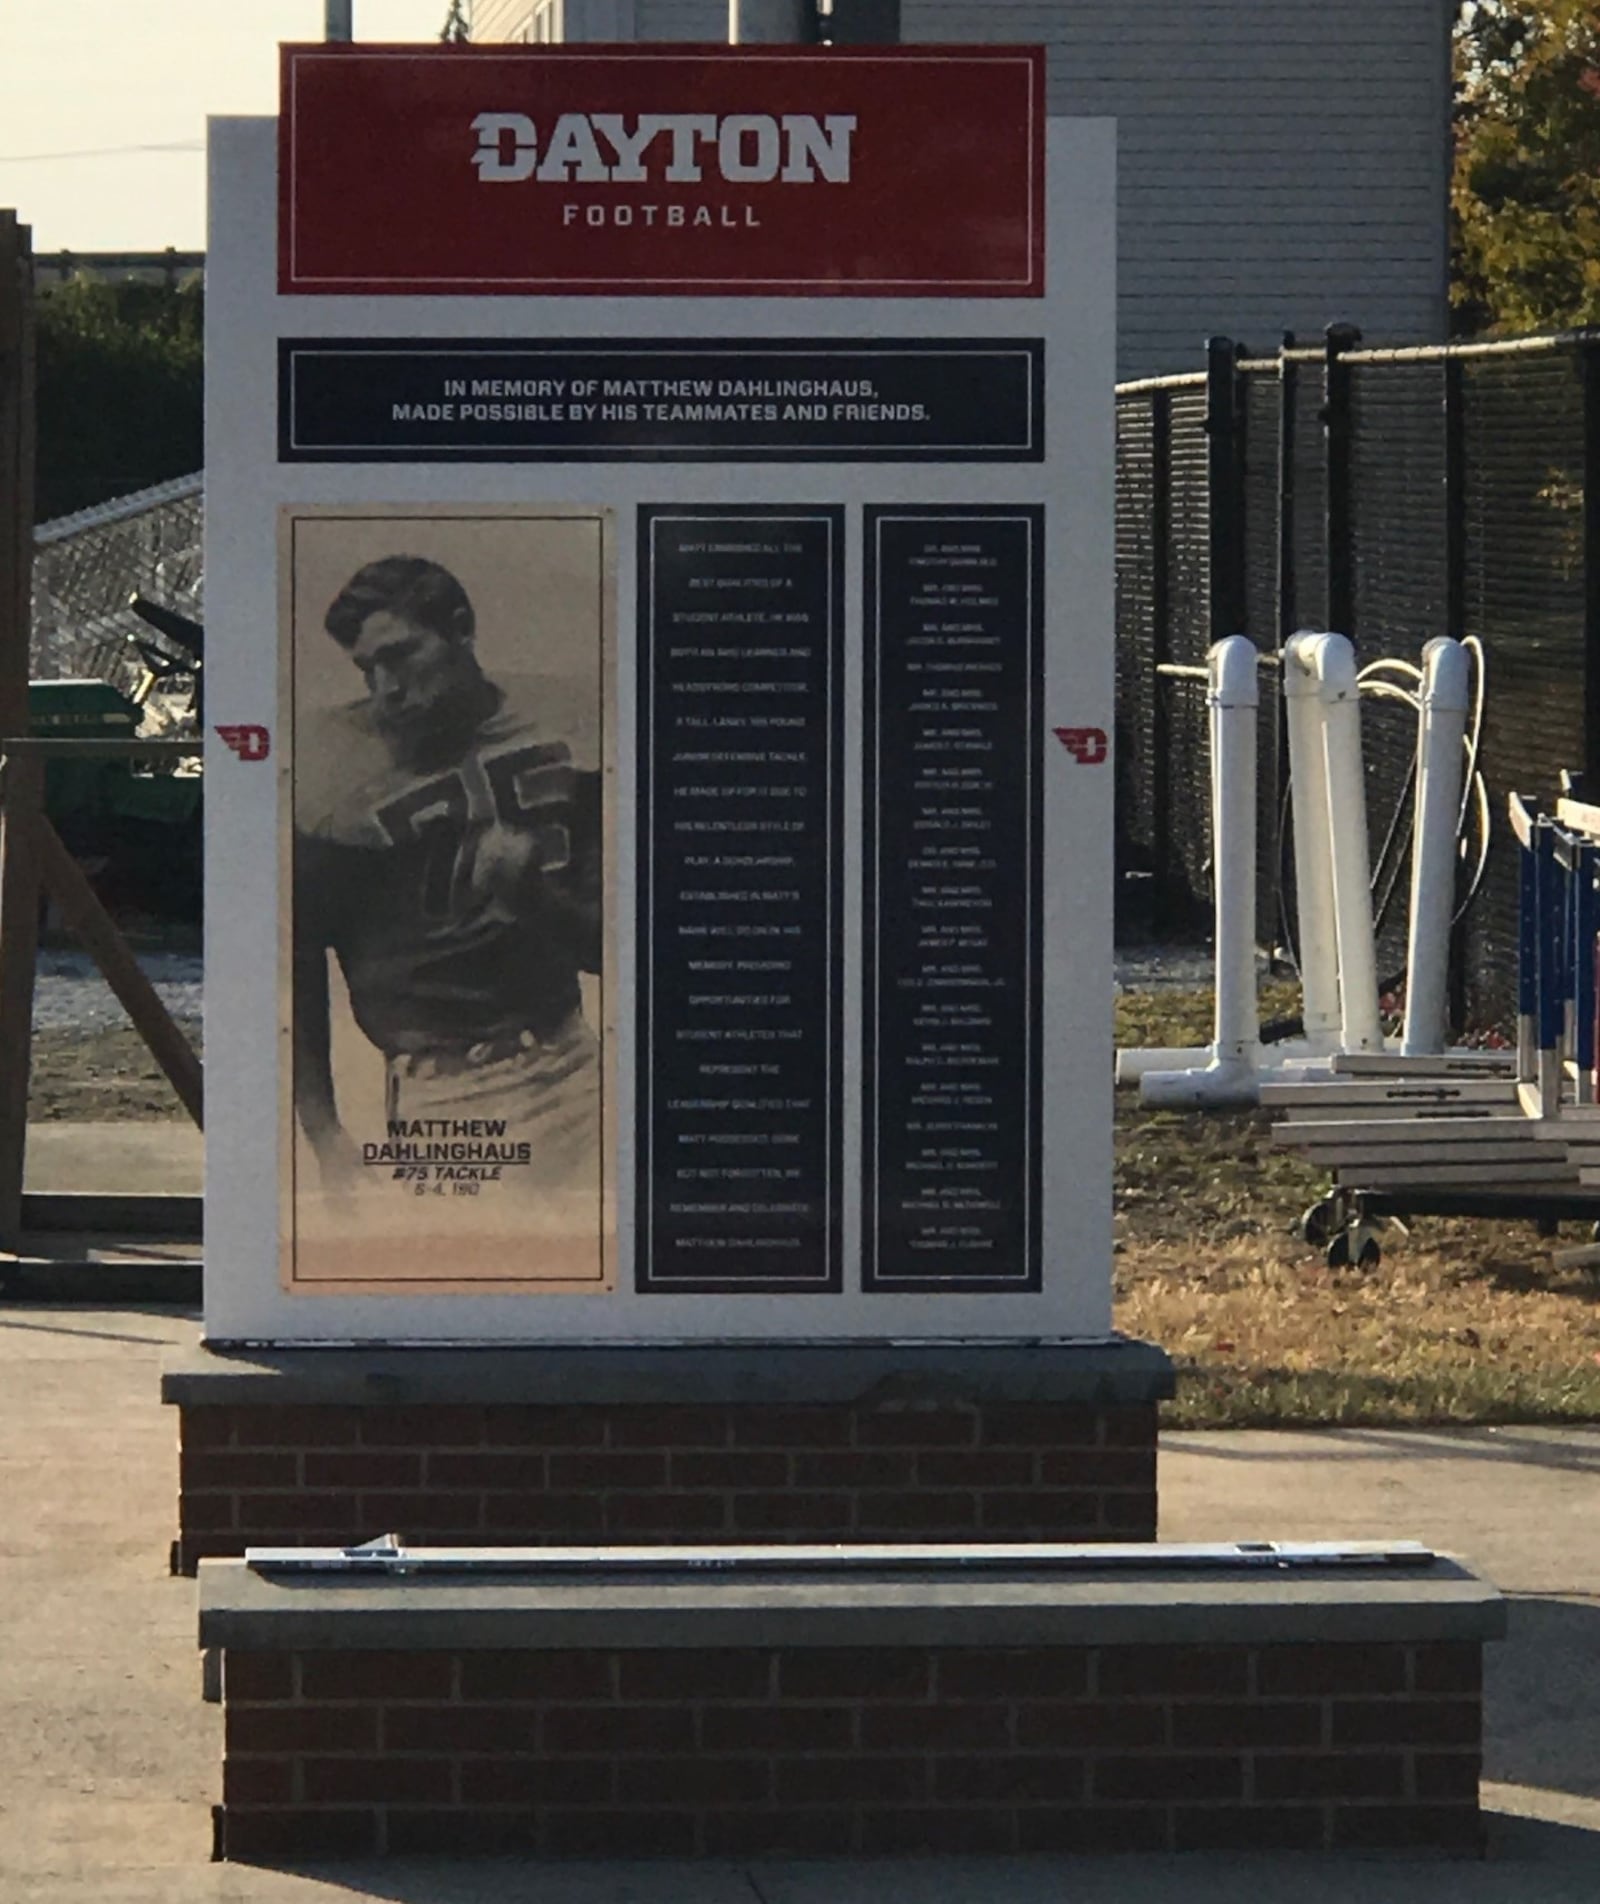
(337,21)
(770,22)
(1339,695)
(1313,862)
(1233,699)
(1441,734)
(1231,1078)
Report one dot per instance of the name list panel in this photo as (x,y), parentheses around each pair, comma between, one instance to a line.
(740,918)
(953,899)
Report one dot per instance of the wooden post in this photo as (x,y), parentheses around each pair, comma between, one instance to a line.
(22,789)
(21,814)
(16,471)
(87,918)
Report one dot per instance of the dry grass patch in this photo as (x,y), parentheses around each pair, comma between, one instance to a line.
(1461,1322)
(99,1076)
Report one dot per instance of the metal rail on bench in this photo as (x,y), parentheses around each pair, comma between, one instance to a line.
(388,1555)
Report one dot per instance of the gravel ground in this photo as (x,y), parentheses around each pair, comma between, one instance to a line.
(1168,968)
(70,995)
(89,1062)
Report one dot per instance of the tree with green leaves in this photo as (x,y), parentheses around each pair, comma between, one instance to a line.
(1526,198)
(120,390)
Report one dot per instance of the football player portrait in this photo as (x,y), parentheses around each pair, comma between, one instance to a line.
(447,855)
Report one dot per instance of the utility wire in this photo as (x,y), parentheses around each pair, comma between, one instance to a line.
(100,152)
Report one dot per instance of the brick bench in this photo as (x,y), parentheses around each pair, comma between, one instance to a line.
(766,1441)
(698,1714)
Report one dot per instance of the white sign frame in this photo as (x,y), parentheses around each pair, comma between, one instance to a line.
(245,487)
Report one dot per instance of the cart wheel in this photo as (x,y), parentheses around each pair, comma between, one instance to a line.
(1337,1254)
(1316,1225)
(1361,1242)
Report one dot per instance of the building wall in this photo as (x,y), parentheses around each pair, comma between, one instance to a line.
(511,19)
(599,19)
(118,267)
(683,19)
(1284,163)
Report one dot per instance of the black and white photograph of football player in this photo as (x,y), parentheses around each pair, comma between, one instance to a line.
(448,885)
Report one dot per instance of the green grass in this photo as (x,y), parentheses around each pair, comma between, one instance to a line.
(1462,1322)
(1212,1397)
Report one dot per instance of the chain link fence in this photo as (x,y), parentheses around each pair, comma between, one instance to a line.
(1393,496)
(87,567)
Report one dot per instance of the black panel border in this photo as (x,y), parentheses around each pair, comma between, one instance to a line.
(1031,1282)
(645,1282)
(819,349)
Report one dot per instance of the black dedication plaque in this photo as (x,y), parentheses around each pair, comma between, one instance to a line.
(780,399)
(740,899)
(953,896)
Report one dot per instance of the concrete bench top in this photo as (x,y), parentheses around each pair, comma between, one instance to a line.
(1112,1373)
(245,1610)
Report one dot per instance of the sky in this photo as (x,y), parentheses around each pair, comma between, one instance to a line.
(103,105)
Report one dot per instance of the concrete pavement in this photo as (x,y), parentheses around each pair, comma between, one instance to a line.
(116,1157)
(1522,1503)
(154,1167)
(109,1761)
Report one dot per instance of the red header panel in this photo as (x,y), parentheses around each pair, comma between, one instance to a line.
(682,171)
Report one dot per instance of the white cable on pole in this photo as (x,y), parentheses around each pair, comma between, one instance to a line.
(1313,859)
(1335,883)
(1333,661)
(1442,727)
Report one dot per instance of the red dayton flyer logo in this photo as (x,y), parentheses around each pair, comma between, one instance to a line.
(249,743)
(659,171)
(1087,745)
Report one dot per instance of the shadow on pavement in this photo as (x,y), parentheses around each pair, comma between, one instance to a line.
(1574,1448)
(1542,1841)
(100,1335)
(526,1881)
(1541,1693)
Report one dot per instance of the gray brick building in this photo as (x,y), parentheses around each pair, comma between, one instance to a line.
(1284,164)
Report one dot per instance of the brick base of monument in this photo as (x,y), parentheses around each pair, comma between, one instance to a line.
(809,1749)
(577,1447)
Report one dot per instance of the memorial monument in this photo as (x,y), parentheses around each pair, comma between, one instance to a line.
(659,514)
(659,587)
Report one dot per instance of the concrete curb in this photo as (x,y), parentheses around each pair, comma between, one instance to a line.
(882,1373)
(48,1281)
(304,1612)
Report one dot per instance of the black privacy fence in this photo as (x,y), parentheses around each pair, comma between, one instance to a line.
(1391,496)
